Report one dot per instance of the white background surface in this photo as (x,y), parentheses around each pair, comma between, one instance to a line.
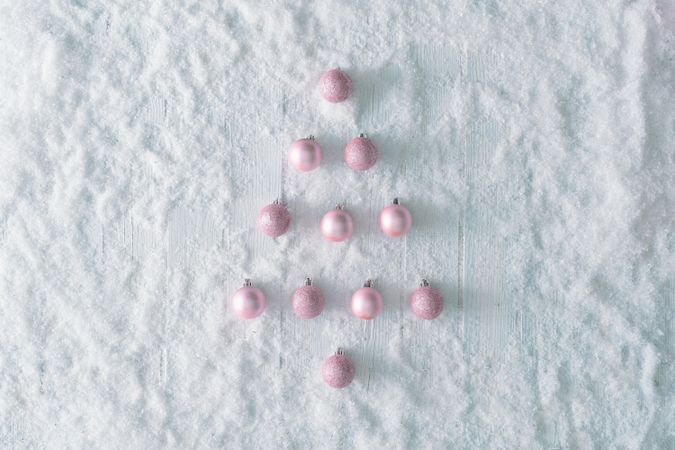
(532,143)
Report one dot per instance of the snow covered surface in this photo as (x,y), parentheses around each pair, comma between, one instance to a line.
(532,141)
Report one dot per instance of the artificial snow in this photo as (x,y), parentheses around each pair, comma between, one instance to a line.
(532,142)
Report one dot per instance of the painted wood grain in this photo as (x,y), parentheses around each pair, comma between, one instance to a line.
(455,248)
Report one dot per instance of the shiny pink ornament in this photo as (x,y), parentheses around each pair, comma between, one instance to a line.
(335,86)
(305,154)
(395,220)
(360,153)
(308,300)
(426,302)
(367,303)
(337,225)
(338,370)
(274,219)
(248,302)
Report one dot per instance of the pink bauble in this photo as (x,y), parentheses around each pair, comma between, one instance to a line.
(248,302)
(395,220)
(335,86)
(367,303)
(426,302)
(360,153)
(274,219)
(305,154)
(337,225)
(308,301)
(338,370)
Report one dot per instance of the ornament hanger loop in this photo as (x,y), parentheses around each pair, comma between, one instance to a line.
(247,282)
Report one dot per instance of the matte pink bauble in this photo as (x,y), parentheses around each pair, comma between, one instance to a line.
(367,302)
(426,302)
(308,301)
(360,153)
(274,219)
(395,220)
(305,154)
(335,86)
(338,370)
(248,302)
(337,225)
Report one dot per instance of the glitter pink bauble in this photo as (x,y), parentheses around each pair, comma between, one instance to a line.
(360,153)
(274,219)
(305,154)
(337,225)
(338,370)
(395,220)
(335,86)
(367,302)
(426,302)
(308,301)
(248,302)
